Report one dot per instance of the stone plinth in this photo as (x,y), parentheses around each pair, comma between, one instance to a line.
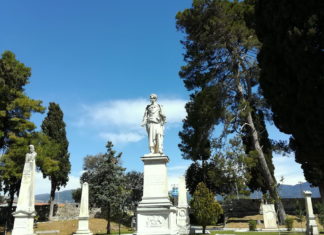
(311,226)
(269,216)
(155,213)
(83,226)
(182,209)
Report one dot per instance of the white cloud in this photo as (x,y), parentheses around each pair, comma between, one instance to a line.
(289,169)
(122,137)
(44,185)
(181,168)
(120,120)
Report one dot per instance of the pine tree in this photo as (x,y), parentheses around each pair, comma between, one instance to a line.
(204,206)
(221,51)
(16,130)
(54,127)
(107,188)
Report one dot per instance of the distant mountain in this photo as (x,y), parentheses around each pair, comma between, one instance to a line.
(61,197)
(292,191)
(285,191)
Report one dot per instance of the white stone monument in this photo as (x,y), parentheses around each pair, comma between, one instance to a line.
(182,209)
(269,216)
(83,227)
(25,211)
(155,213)
(311,226)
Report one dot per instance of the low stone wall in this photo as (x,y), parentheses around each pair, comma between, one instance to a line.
(71,211)
(246,207)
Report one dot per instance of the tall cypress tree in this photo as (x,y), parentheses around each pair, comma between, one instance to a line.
(54,127)
(16,130)
(292,76)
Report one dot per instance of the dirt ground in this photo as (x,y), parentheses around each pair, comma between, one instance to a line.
(98,226)
(68,227)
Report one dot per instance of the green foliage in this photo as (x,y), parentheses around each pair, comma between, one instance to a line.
(300,212)
(204,206)
(252,225)
(16,130)
(54,127)
(76,195)
(15,127)
(320,209)
(292,76)
(134,184)
(289,223)
(203,113)
(107,184)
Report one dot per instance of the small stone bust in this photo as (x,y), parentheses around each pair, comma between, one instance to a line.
(31,155)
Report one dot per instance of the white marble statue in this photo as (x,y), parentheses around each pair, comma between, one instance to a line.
(25,211)
(154,120)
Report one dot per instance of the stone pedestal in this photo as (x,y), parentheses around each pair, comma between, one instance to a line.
(83,226)
(182,210)
(311,226)
(155,213)
(269,216)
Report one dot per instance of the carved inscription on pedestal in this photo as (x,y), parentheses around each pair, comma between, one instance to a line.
(155,221)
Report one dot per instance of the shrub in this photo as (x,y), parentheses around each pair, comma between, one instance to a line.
(252,225)
(320,208)
(289,223)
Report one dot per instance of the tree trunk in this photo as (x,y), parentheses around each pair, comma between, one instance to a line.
(108,218)
(51,200)
(264,166)
(321,189)
(266,172)
(204,229)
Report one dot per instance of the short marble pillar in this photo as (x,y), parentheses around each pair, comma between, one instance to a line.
(83,227)
(311,226)
(182,209)
(25,211)
(155,213)
(269,216)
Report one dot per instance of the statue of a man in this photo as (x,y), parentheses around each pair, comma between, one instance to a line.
(154,120)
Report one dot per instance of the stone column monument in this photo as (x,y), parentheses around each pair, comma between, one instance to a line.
(83,226)
(155,213)
(311,226)
(25,211)
(182,209)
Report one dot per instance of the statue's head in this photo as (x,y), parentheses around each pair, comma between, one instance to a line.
(153,97)
(31,148)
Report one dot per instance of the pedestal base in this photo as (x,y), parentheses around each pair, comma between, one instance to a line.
(311,226)
(155,213)
(24,223)
(156,221)
(183,220)
(83,227)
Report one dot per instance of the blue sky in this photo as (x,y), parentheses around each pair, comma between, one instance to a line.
(100,60)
